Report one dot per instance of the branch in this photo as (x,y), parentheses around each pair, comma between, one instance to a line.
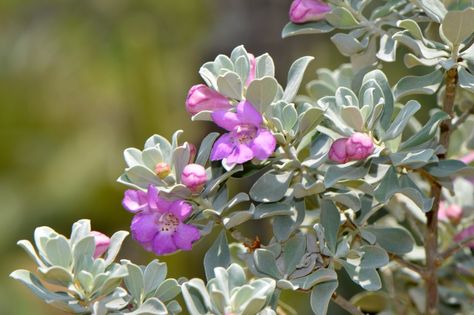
(451,250)
(346,305)
(464,116)
(407,264)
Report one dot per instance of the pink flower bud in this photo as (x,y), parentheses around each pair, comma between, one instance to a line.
(252,71)
(466,233)
(359,146)
(200,97)
(194,177)
(451,213)
(302,11)
(102,243)
(162,169)
(337,152)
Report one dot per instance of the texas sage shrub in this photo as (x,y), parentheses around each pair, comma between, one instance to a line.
(349,178)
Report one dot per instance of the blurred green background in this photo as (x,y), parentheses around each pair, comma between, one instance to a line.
(81,80)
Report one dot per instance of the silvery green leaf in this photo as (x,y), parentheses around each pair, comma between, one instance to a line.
(317,89)
(242,68)
(195,296)
(319,27)
(433,8)
(202,115)
(214,183)
(345,98)
(294,249)
(230,85)
(267,210)
(458,25)
(349,199)
(304,189)
(445,168)
(205,148)
(57,275)
(466,79)
(318,151)
(411,61)
(261,92)
(181,157)
(42,235)
(157,141)
(283,226)
(425,84)
(238,52)
(271,187)
(373,257)
(295,76)
(58,251)
(368,279)
(116,241)
(132,157)
(382,84)
(330,220)
(152,306)
(222,64)
(84,248)
(142,176)
(367,58)
(347,44)
(135,282)
(151,157)
(218,255)
(321,296)
(208,75)
(174,308)
(426,133)
(86,279)
(319,276)
(113,280)
(353,117)
(341,18)
(236,218)
(168,290)
(388,48)
(264,66)
(414,159)
(239,198)
(290,116)
(396,240)
(412,27)
(29,249)
(308,120)
(384,10)
(337,173)
(418,47)
(402,119)
(80,229)
(265,263)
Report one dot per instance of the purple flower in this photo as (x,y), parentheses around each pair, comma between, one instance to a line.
(451,213)
(158,223)
(302,11)
(357,147)
(102,243)
(247,139)
(464,234)
(200,97)
(252,71)
(194,177)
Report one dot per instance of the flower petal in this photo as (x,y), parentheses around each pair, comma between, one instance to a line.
(264,144)
(241,154)
(181,209)
(247,114)
(135,200)
(185,235)
(163,244)
(144,227)
(222,147)
(225,119)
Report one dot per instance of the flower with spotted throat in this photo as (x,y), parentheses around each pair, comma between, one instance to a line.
(158,224)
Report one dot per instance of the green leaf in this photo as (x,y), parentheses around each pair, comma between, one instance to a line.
(445,168)
(265,263)
(341,18)
(135,282)
(383,85)
(58,251)
(294,249)
(57,275)
(435,9)
(116,241)
(396,240)
(205,148)
(154,274)
(414,159)
(321,296)
(264,66)
(218,255)
(195,296)
(402,119)
(458,25)
(236,218)
(412,27)
(466,79)
(368,279)
(319,27)
(271,186)
(388,48)
(426,133)
(29,249)
(425,84)
(337,173)
(290,116)
(309,120)
(261,92)
(347,44)
(152,306)
(267,210)
(168,290)
(330,220)
(295,76)
(230,85)
(353,117)
(319,276)
(373,257)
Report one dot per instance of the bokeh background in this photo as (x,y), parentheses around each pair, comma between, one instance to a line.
(81,80)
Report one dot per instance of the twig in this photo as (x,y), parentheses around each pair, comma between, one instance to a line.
(451,250)
(345,304)
(407,264)
(464,116)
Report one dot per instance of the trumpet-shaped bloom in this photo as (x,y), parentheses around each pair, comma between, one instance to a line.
(302,11)
(246,139)
(158,224)
(201,97)
(102,243)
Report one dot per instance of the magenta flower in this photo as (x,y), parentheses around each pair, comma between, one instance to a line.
(302,11)
(247,139)
(158,223)
(102,243)
(194,177)
(451,213)
(200,97)
(357,147)
(464,234)
(252,71)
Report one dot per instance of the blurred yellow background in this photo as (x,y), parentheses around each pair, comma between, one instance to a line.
(81,80)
